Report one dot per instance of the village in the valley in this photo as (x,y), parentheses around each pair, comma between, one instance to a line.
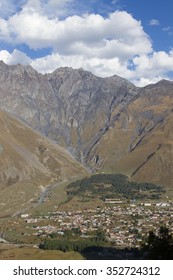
(125,225)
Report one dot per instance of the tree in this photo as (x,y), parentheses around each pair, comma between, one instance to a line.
(160,246)
(100,236)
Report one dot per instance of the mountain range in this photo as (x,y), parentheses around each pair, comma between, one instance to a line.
(102,124)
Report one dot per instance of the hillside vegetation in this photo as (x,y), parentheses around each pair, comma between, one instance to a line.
(119,186)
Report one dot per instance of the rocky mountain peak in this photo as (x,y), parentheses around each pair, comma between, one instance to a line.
(17,71)
(3,66)
(163,82)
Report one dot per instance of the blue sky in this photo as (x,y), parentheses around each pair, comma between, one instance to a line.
(160,10)
(129,38)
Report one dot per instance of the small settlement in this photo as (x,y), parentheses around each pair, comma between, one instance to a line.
(124,225)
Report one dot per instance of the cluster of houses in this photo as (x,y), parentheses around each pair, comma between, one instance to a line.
(124,225)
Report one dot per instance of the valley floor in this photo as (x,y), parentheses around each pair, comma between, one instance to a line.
(124,225)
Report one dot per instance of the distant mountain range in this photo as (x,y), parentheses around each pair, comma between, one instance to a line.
(107,124)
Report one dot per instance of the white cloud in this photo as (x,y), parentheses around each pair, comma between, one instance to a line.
(4,30)
(154,22)
(155,64)
(120,35)
(5,56)
(15,57)
(32,29)
(152,67)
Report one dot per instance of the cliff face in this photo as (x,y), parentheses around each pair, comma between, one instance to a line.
(105,123)
(72,107)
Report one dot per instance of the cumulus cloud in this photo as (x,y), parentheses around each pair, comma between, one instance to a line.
(15,57)
(118,35)
(152,68)
(4,30)
(157,63)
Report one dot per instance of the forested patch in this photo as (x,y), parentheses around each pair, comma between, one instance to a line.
(113,186)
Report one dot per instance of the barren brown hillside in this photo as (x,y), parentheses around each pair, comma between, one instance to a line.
(29,162)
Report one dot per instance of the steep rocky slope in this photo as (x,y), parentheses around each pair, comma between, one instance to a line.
(70,106)
(140,142)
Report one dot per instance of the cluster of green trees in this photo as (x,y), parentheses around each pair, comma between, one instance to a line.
(119,186)
(159,245)
(69,243)
(66,245)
